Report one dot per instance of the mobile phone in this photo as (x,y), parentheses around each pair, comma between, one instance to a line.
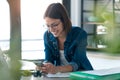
(38,63)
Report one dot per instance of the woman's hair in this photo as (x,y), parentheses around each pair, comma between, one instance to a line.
(58,11)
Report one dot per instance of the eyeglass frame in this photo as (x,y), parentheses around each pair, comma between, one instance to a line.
(53,25)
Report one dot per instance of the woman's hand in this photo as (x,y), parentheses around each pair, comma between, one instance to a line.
(49,68)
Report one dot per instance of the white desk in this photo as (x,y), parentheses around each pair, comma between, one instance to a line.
(43,78)
(27,65)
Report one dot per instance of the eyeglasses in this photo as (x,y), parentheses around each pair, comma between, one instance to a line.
(54,25)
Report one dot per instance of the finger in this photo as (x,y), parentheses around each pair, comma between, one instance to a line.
(44,69)
(38,68)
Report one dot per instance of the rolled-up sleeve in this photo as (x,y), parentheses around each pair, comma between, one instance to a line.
(74,66)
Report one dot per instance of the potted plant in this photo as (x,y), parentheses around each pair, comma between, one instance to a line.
(112,37)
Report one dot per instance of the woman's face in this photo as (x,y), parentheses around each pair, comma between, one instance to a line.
(55,26)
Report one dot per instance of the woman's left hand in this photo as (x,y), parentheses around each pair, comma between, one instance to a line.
(49,68)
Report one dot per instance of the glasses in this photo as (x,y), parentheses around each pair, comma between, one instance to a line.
(54,25)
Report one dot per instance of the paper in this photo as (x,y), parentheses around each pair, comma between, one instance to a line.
(103,72)
(59,75)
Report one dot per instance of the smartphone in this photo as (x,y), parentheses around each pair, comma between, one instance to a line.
(38,63)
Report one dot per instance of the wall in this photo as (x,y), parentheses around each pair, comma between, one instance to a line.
(76,12)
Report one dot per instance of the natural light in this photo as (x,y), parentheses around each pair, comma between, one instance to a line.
(4,25)
(32,27)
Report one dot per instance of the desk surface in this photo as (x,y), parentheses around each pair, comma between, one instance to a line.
(44,78)
(28,65)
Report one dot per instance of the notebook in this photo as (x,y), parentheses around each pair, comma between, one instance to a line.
(103,74)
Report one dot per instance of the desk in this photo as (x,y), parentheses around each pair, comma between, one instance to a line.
(28,65)
(44,78)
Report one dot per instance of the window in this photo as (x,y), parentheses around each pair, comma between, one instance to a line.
(32,27)
(4,25)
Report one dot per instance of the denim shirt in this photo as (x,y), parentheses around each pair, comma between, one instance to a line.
(74,49)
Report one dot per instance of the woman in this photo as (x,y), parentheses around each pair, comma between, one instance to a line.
(65,45)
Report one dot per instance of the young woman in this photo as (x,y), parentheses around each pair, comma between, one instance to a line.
(65,45)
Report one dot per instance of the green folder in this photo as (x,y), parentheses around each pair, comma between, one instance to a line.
(103,74)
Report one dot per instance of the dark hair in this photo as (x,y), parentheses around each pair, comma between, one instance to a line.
(58,11)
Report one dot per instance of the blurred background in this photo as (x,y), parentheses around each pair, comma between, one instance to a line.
(21,28)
